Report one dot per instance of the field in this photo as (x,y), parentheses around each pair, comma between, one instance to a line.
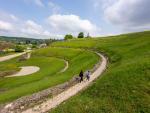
(50,61)
(125,86)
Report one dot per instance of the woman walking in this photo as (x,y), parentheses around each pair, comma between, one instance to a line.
(88,75)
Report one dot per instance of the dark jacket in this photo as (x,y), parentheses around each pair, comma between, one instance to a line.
(81,74)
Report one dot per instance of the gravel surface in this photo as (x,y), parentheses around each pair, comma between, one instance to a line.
(27,70)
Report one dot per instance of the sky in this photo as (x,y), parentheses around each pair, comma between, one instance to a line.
(55,18)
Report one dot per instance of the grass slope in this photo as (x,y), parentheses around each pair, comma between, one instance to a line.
(50,61)
(125,86)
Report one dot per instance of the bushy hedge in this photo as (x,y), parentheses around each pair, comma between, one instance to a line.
(19,48)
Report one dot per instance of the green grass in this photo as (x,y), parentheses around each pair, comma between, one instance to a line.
(50,62)
(125,86)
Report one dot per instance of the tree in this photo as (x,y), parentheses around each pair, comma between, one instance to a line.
(19,48)
(68,36)
(81,35)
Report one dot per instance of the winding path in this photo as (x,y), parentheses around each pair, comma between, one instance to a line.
(4,58)
(55,101)
(66,66)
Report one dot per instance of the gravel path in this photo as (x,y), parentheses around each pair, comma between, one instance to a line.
(55,101)
(66,66)
(26,70)
(4,58)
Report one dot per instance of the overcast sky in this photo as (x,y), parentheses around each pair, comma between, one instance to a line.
(55,18)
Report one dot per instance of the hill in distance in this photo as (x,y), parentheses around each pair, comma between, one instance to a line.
(20,39)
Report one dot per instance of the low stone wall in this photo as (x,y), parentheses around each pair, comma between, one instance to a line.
(28,101)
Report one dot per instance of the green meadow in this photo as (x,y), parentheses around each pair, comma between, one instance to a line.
(125,86)
(50,61)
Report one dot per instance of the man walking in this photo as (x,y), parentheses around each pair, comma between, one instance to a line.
(81,76)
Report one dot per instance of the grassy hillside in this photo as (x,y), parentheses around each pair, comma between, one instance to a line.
(125,86)
(50,62)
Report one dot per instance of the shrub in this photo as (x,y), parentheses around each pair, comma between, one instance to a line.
(81,35)
(68,36)
(19,48)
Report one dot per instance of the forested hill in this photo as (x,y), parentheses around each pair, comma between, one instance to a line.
(20,39)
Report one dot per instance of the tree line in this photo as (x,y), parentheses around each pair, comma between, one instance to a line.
(80,35)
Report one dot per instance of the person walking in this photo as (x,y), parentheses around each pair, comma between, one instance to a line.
(87,75)
(81,76)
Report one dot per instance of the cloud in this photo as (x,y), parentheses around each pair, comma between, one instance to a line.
(55,8)
(102,4)
(5,26)
(8,17)
(13,17)
(57,26)
(39,3)
(129,14)
(31,27)
(14,26)
(46,4)
(71,24)
(36,2)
